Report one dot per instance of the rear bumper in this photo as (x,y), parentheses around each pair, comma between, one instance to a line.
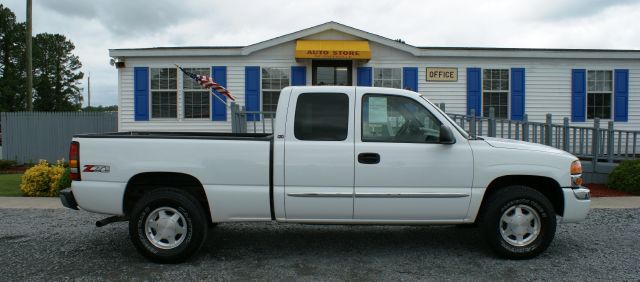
(576,204)
(67,199)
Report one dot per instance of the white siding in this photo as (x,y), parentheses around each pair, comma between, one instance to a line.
(547,88)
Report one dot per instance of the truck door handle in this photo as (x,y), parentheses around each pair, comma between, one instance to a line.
(368,158)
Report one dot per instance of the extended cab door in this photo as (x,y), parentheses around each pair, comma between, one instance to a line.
(402,172)
(318,154)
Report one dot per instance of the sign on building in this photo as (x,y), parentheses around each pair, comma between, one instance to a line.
(442,74)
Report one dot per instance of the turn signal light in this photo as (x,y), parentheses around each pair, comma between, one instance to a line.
(576,167)
(578,181)
(74,161)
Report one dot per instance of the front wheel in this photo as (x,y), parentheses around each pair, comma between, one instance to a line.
(519,222)
(167,226)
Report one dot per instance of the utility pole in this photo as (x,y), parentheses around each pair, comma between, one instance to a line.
(89,92)
(29,65)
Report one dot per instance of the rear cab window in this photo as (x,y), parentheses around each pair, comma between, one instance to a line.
(322,117)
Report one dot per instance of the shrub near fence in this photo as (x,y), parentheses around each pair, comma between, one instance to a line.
(31,136)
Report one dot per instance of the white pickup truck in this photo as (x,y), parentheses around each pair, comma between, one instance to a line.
(337,155)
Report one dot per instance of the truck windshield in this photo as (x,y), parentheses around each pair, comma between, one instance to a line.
(458,127)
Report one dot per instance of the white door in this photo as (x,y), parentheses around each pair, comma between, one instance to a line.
(401,171)
(319,156)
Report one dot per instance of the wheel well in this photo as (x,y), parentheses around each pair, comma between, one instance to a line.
(545,185)
(146,182)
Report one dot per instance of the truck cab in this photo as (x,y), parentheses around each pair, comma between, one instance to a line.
(377,156)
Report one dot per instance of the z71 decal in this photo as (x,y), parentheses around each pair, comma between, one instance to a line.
(96,168)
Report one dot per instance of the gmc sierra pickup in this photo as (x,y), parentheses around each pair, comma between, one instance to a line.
(337,155)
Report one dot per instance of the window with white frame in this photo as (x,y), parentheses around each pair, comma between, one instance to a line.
(273,80)
(599,92)
(495,92)
(387,77)
(196,98)
(164,93)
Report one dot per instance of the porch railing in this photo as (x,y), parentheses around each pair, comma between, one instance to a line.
(243,121)
(596,143)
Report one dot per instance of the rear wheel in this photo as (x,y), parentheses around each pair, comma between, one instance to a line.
(518,222)
(168,226)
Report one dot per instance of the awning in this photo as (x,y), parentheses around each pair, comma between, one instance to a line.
(333,49)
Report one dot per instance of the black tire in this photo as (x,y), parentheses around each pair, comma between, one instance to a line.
(529,223)
(189,229)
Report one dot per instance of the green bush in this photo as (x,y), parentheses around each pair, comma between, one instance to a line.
(6,164)
(44,180)
(626,177)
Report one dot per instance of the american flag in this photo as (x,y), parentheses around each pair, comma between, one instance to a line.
(207,82)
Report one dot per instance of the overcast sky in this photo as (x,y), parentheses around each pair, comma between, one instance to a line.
(96,26)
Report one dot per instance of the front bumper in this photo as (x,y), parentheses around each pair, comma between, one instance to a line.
(67,199)
(576,204)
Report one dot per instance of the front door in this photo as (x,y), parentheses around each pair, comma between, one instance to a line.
(401,171)
(319,155)
(332,72)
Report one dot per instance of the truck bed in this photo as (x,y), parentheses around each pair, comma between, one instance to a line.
(180,135)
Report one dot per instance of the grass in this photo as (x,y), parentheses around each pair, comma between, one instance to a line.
(10,185)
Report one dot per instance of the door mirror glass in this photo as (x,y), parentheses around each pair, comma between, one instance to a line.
(446,136)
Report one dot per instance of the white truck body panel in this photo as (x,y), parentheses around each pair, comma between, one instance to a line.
(214,163)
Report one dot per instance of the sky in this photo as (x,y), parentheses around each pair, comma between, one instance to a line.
(96,26)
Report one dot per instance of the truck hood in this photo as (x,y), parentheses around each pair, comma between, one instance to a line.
(521,145)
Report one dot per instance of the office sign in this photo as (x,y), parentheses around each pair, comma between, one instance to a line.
(442,74)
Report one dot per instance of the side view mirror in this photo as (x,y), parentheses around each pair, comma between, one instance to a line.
(446,136)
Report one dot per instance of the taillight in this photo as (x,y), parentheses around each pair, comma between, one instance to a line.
(74,161)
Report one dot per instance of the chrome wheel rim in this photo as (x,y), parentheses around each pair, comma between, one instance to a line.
(166,228)
(520,225)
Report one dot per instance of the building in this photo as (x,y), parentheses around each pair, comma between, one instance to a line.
(153,95)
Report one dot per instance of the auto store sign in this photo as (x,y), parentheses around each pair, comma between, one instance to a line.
(442,74)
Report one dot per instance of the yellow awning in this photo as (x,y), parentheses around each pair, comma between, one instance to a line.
(332,49)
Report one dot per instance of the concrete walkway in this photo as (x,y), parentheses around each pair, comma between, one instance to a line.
(54,203)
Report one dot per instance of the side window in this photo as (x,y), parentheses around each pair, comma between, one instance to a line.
(495,92)
(599,92)
(164,93)
(387,77)
(322,116)
(196,97)
(387,118)
(273,80)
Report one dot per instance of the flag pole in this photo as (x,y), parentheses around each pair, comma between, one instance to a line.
(214,95)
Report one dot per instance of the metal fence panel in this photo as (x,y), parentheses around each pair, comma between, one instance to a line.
(30,136)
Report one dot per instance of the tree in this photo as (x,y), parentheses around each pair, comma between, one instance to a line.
(113,108)
(12,62)
(56,74)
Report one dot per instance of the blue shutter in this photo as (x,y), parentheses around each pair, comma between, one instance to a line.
(578,95)
(364,76)
(298,76)
(219,109)
(252,92)
(141,93)
(517,93)
(410,79)
(621,95)
(474,90)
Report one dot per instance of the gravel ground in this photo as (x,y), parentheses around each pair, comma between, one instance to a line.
(64,245)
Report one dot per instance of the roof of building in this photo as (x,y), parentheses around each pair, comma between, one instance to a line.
(414,50)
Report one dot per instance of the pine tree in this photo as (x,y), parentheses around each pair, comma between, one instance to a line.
(56,74)
(12,62)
